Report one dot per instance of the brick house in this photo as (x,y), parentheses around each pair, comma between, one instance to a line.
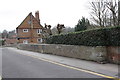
(30,30)
(11,40)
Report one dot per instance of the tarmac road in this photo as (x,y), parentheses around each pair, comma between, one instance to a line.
(15,65)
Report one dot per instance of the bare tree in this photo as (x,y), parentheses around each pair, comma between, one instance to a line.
(112,6)
(60,27)
(99,12)
(5,34)
(105,12)
(119,12)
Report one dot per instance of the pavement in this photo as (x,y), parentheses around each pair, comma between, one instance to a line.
(105,69)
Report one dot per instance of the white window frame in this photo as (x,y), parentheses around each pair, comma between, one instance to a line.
(25,41)
(40,41)
(25,30)
(39,31)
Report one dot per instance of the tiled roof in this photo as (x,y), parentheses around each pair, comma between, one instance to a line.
(30,22)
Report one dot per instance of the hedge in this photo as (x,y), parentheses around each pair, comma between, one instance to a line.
(96,37)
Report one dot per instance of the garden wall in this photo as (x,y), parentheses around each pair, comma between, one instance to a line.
(97,54)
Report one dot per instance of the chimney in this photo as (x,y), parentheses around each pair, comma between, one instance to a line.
(37,16)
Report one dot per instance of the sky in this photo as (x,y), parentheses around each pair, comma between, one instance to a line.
(52,12)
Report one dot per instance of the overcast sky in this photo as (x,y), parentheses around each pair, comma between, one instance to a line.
(67,12)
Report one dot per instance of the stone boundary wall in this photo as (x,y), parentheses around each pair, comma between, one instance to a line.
(113,54)
(10,45)
(97,54)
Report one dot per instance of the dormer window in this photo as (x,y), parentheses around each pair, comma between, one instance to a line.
(25,30)
(39,31)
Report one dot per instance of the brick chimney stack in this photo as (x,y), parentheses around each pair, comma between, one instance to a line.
(37,16)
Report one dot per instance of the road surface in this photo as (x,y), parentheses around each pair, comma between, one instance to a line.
(15,65)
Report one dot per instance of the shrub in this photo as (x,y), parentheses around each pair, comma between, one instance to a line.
(96,37)
(2,42)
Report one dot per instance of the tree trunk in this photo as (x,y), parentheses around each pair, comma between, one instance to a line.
(114,18)
(119,12)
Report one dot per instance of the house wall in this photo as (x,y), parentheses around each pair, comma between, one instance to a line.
(30,34)
(21,40)
(35,34)
(10,41)
(34,40)
(24,34)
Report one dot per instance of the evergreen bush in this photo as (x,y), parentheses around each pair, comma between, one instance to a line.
(96,37)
